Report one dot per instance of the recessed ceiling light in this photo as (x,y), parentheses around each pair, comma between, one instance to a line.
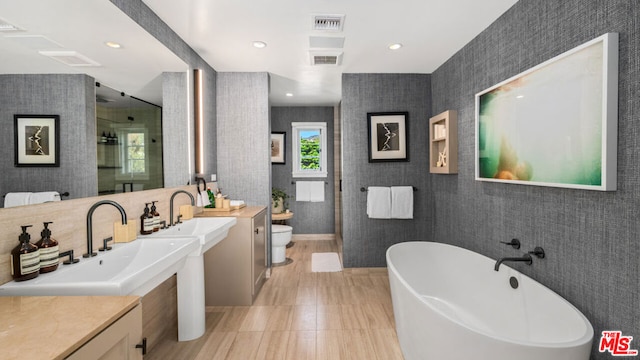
(395,46)
(259,44)
(289,94)
(113,44)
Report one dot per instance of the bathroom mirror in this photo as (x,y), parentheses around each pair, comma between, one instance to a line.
(51,55)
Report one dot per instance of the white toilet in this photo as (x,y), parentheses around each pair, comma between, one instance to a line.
(280,237)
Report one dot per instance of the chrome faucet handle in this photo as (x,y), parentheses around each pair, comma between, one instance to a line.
(104,244)
(515,243)
(538,252)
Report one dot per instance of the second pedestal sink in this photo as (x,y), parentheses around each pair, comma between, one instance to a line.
(191,307)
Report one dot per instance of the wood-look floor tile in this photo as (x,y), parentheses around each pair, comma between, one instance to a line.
(216,348)
(304,318)
(256,319)
(330,345)
(306,296)
(376,316)
(273,345)
(353,317)
(232,320)
(245,346)
(358,344)
(329,317)
(280,319)
(386,344)
(301,345)
(307,279)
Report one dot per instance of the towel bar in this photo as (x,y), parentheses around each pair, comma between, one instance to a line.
(363,189)
(293,182)
(66,193)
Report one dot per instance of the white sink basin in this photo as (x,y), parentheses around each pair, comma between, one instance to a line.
(133,268)
(208,230)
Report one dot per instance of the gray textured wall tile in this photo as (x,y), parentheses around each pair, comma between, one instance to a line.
(72,97)
(591,237)
(309,218)
(365,240)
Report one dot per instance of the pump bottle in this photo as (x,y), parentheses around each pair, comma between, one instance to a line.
(49,252)
(25,258)
(156,216)
(146,221)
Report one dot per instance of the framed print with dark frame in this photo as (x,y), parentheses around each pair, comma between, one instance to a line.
(278,147)
(388,136)
(37,140)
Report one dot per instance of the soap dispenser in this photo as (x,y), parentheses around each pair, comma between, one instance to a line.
(146,221)
(25,258)
(49,252)
(156,216)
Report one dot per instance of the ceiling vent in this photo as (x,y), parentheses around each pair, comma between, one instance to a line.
(71,58)
(325,58)
(6,27)
(333,23)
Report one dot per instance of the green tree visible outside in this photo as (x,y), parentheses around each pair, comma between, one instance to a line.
(135,150)
(310,150)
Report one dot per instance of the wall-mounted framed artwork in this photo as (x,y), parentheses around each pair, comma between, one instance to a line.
(278,147)
(388,136)
(555,124)
(37,140)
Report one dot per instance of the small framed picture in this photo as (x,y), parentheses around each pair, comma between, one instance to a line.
(278,147)
(37,140)
(388,136)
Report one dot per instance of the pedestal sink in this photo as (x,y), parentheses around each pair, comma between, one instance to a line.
(191,303)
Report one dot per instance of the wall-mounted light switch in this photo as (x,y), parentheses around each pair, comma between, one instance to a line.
(213,177)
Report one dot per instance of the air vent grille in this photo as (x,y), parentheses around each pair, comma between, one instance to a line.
(326,58)
(332,23)
(71,58)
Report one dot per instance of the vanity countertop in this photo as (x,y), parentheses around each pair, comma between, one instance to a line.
(248,212)
(52,327)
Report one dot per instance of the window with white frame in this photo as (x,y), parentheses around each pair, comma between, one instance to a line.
(309,149)
(134,154)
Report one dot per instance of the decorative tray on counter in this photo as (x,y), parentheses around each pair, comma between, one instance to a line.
(231,208)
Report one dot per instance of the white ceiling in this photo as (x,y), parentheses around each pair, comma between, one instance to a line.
(84,26)
(222,32)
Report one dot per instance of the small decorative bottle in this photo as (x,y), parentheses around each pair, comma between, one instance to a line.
(25,258)
(48,250)
(146,221)
(156,216)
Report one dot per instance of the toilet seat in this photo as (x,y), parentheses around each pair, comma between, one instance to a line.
(277,229)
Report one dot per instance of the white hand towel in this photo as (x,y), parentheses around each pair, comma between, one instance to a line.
(16,199)
(43,197)
(379,202)
(303,192)
(199,200)
(205,199)
(402,202)
(316,191)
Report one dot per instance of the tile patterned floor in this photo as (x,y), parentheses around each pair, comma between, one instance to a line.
(300,315)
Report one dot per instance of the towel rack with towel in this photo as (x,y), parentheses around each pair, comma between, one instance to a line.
(66,193)
(363,189)
(293,182)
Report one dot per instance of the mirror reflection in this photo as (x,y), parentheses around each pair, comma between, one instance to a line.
(129,142)
(40,75)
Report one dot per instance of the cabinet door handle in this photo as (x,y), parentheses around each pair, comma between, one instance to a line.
(257,231)
(143,346)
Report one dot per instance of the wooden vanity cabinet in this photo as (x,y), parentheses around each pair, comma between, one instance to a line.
(116,342)
(235,268)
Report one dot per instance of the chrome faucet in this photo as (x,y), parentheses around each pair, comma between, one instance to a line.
(193,202)
(526,258)
(93,208)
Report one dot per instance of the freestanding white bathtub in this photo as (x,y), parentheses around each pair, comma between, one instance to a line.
(449,303)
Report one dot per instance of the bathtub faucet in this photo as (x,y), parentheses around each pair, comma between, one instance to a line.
(525,258)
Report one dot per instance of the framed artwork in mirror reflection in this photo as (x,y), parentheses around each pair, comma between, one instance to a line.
(278,147)
(388,136)
(37,140)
